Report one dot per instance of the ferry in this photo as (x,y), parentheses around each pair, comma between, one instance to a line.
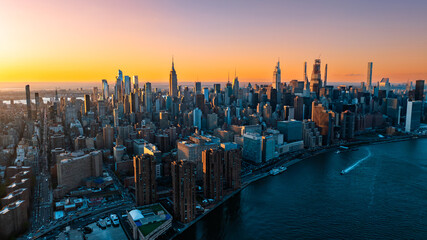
(276,171)
(345,149)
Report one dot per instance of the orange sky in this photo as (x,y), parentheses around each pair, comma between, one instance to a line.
(89,40)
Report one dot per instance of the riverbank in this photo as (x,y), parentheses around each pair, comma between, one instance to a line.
(286,162)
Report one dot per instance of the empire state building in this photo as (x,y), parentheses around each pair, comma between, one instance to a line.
(173,82)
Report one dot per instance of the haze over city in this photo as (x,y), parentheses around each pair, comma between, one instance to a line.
(85,41)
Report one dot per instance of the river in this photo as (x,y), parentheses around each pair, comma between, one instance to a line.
(382,195)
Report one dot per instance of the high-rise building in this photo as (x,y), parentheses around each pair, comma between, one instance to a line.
(127,85)
(316,81)
(369,77)
(28,95)
(87,103)
(108,135)
(306,82)
(326,75)
(277,82)
(198,87)
(413,115)
(197,118)
(145,179)
(173,82)
(232,168)
(206,94)
(184,190)
(347,124)
(135,82)
(212,160)
(299,108)
(148,101)
(419,90)
(105,90)
(252,147)
(236,87)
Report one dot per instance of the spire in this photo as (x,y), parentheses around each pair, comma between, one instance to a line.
(173,67)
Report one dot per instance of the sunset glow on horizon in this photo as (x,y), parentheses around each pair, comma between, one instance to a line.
(46,40)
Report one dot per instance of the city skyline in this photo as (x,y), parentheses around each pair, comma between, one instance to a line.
(210,40)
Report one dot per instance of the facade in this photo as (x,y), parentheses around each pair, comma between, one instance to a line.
(145,179)
(369,77)
(184,190)
(213,173)
(232,168)
(413,115)
(252,147)
(74,170)
(291,130)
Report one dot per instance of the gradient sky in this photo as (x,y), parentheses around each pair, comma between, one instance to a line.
(51,40)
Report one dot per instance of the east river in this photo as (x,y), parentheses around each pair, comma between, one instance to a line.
(382,195)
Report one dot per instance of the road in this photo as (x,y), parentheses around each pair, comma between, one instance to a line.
(42,208)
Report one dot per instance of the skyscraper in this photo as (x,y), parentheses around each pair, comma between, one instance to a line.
(105,90)
(306,82)
(135,82)
(316,81)
(232,168)
(277,81)
(148,98)
(212,160)
(87,103)
(173,82)
(145,179)
(413,115)
(127,86)
(198,87)
(236,86)
(419,90)
(326,75)
(184,190)
(369,77)
(27,92)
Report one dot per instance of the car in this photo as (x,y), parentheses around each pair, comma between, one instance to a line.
(108,221)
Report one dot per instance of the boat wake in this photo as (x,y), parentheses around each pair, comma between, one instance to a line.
(345,171)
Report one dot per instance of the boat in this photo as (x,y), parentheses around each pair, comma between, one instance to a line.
(342,172)
(276,171)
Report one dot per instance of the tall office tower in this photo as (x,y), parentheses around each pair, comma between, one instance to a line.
(105,91)
(198,87)
(232,168)
(87,103)
(118,89)
(145,179)
(135,83)
(108,136)
(197,118)
(206,94)
(148,98)
(277,82)
(217,88)
(306,82)
(326,75)
(419,90)
(413,115)
(127,86)
(37,99)
(299,108)
(212,160)
(134,106)
(316,81)
(27,92)
(120,75)
(184,190)
(173,82)
(236,87)
(369,77)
